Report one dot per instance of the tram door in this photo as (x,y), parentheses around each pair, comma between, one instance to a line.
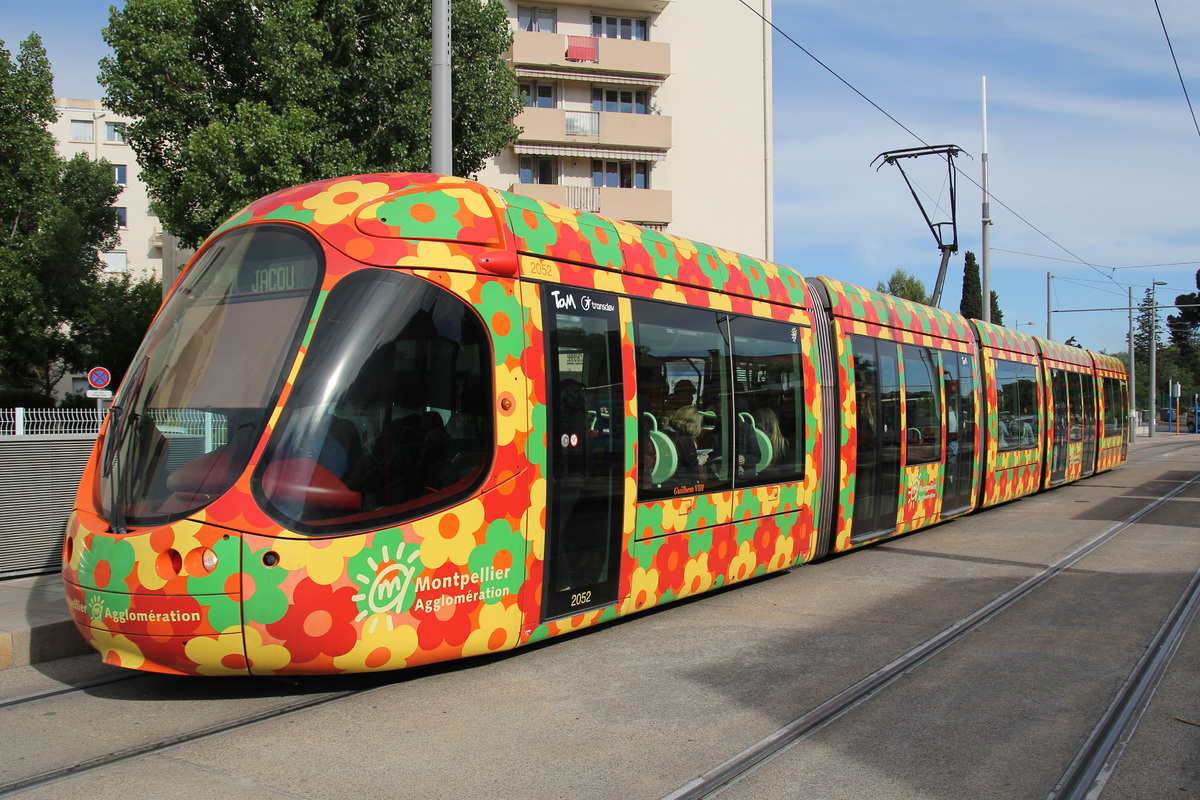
(1058,459)
(585,406)
(1089,424)
(877,468)
(958,370)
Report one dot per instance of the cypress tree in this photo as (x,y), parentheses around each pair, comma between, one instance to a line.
(971,305)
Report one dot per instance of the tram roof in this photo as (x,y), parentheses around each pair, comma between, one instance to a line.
(1064,354)
(375,218)
(876,308)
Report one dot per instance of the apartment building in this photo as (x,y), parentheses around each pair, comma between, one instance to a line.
(85,126)
(653,111)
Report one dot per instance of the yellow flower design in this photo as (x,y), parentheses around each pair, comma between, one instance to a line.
(608,281)
(784,552)
(696,576)
(265,658)
(670,292)
(498,630)
(438,254)
(325,559)
(450,536)
(743,563)
(385,647)
(643,588)
(510,385)
(117,649)
(341,199)
(535,518)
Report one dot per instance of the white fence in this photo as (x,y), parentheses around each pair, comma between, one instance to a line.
(43,453)
(42,421)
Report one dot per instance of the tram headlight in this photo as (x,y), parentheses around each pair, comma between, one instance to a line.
(201,561)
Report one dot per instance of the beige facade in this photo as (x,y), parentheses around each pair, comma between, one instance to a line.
(652,111)
(85,126)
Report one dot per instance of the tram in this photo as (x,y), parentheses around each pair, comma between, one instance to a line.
(395,419)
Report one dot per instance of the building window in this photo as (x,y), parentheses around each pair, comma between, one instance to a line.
(604,27)
(539,169)
(119,174)
(538,94)
(623,101)
(539,20)
(114,132)
(122,217)
(82,130)
(621,174)
(116,261)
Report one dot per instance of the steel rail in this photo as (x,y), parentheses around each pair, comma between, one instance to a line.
(739,765)
(1093,765)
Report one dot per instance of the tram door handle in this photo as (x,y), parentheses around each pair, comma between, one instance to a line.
(773,494)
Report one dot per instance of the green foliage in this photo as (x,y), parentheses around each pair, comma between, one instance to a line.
(111,328)
(997,314)
(236,99)
(55,218)
(901,284)
(971,305)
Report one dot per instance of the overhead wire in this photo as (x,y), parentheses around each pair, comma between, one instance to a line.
(1074,258)
(1177,70)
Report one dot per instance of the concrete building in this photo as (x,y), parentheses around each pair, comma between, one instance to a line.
(85,126)
(652,111)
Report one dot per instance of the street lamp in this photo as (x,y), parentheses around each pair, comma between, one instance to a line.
(1154,354)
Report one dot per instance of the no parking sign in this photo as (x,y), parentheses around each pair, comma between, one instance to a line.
(98,379)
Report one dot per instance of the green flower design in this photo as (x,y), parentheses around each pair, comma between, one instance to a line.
(495,300)
(108,555)
(666,264)
(424,215)
(292,214)
(267,603)
(529,223)
(713,267)
(757,277)
(535,442)
(500,538)
(223,611)
(602,236)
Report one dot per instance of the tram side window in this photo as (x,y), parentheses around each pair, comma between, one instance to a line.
(390,415)
(922,405)
(1114,418)
(685,442)
(769,401)
(1075,392)
(1018,424)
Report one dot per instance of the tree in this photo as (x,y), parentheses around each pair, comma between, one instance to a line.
(110,330)
(239,98)
(997,314)
(901,284)
(55,218)
(971,305)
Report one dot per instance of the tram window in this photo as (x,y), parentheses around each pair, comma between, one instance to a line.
(1018,423)
(1075,394)
(683,386)
(922,405)
(769,401)
(1114,419)
(958,369)
(390,414)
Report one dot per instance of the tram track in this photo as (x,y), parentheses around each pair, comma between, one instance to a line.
(1095,760)
(81,686)
(47,777)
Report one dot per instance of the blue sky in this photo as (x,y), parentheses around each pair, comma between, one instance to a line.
(1089,136)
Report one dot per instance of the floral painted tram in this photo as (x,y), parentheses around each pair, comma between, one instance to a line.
(390,420)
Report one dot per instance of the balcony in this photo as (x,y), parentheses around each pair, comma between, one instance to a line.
(595,128)
(648,206)
(618,56)
(648,6)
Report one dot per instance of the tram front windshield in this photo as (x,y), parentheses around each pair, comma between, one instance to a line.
(198,394)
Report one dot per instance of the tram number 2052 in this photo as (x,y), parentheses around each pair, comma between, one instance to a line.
(580,598)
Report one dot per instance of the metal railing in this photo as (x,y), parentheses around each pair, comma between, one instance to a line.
(44,421)
(75,421)
(583,123)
